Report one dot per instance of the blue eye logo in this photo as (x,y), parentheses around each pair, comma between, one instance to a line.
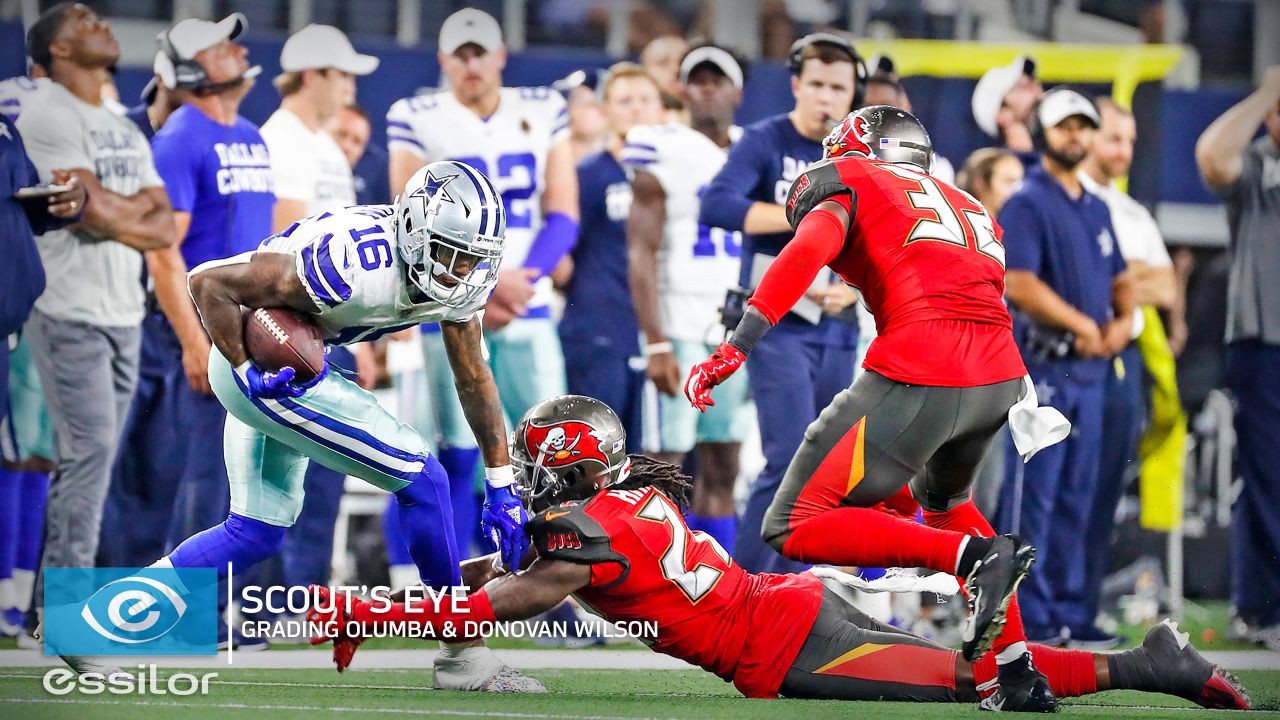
(134,610)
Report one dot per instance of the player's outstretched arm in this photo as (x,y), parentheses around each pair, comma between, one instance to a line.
(542,587)
(477,391)
(219,290)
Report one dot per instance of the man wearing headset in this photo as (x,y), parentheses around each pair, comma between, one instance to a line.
(215,166)
(798,369)
(1073,306)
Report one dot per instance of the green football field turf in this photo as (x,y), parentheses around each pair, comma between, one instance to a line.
(601,695)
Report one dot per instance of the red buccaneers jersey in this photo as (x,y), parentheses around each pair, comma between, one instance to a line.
(929,262)
(646,565)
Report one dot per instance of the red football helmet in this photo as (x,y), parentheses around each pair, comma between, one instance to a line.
(567,448)
(882,132)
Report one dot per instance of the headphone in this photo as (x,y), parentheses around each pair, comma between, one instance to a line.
(181,74)
(190,75)
(795,59)
(1036,128)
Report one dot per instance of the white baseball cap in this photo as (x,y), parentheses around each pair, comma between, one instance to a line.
(714,55)
(187,39)
(316,47)
(470,25)
(1062,103)
(995,83)
(191,36)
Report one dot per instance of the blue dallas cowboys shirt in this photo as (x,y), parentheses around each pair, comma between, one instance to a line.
(598,310)
(1070,245)
(219,174)
(760,168)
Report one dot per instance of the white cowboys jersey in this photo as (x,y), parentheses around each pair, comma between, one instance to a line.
(697,263)
(510,147)
(20,91)
(348,262)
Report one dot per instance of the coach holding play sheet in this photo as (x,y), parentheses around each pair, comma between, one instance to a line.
(84,329)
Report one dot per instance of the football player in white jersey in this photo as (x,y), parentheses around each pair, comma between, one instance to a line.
(359,273)
(519,138)
(679,273)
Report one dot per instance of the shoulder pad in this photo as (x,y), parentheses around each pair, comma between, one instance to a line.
(818,182)
(567,532)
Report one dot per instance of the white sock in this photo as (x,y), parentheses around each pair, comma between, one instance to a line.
(453,650)
(403,576)
(8,594)
(163,563)
(24,584)
(960,553)
(1011,653)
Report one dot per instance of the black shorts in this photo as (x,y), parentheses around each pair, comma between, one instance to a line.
(851,656)
(879,435)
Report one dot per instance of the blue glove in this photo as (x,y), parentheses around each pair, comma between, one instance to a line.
(275,385)
(503,522)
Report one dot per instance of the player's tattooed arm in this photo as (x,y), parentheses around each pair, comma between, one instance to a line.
(477,391)
(542,587)
(219,290)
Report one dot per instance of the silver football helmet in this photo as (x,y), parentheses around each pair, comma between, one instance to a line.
(450,230)
(566,448)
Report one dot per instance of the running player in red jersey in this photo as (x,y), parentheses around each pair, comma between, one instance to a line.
(610,531)
(941,377)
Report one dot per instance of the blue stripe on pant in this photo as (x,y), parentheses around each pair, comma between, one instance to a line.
(1123,413)
(792,376)
(308,546)
(1253,374)
(1048,501)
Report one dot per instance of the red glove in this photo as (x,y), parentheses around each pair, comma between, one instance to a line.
(331,611)
(711,372)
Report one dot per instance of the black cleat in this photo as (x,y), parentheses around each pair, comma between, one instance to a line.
(991,584)
(1182,671)
(1022,688)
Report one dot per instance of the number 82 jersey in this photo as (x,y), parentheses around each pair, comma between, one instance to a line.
(648,566)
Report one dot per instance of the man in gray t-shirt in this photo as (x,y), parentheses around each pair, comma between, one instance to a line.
(84,330)
(1246,175)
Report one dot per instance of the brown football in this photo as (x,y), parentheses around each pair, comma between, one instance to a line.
(280,337)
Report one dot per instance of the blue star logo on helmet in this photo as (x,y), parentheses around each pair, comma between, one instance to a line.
(435,185)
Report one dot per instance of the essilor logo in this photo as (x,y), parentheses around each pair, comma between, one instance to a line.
(136,609)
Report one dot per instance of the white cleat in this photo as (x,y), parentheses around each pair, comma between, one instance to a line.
(478,668)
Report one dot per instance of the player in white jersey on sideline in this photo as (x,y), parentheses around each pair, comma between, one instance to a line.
(519,137)
(359,273)
(680,271)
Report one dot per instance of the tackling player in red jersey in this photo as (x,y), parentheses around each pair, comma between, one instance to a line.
(609,530)
(941,377)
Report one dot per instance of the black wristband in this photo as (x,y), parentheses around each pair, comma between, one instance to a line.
(750,329)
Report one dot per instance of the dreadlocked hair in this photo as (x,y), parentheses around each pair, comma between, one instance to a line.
(665,477)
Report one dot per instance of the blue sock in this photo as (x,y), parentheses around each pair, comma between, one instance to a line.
(397,550)
(10,500)
(723,529)
(239,540)
(460,465)
(426,524)
(35,489)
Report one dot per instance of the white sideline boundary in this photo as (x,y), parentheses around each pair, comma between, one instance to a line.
(381,660)
(521,659)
